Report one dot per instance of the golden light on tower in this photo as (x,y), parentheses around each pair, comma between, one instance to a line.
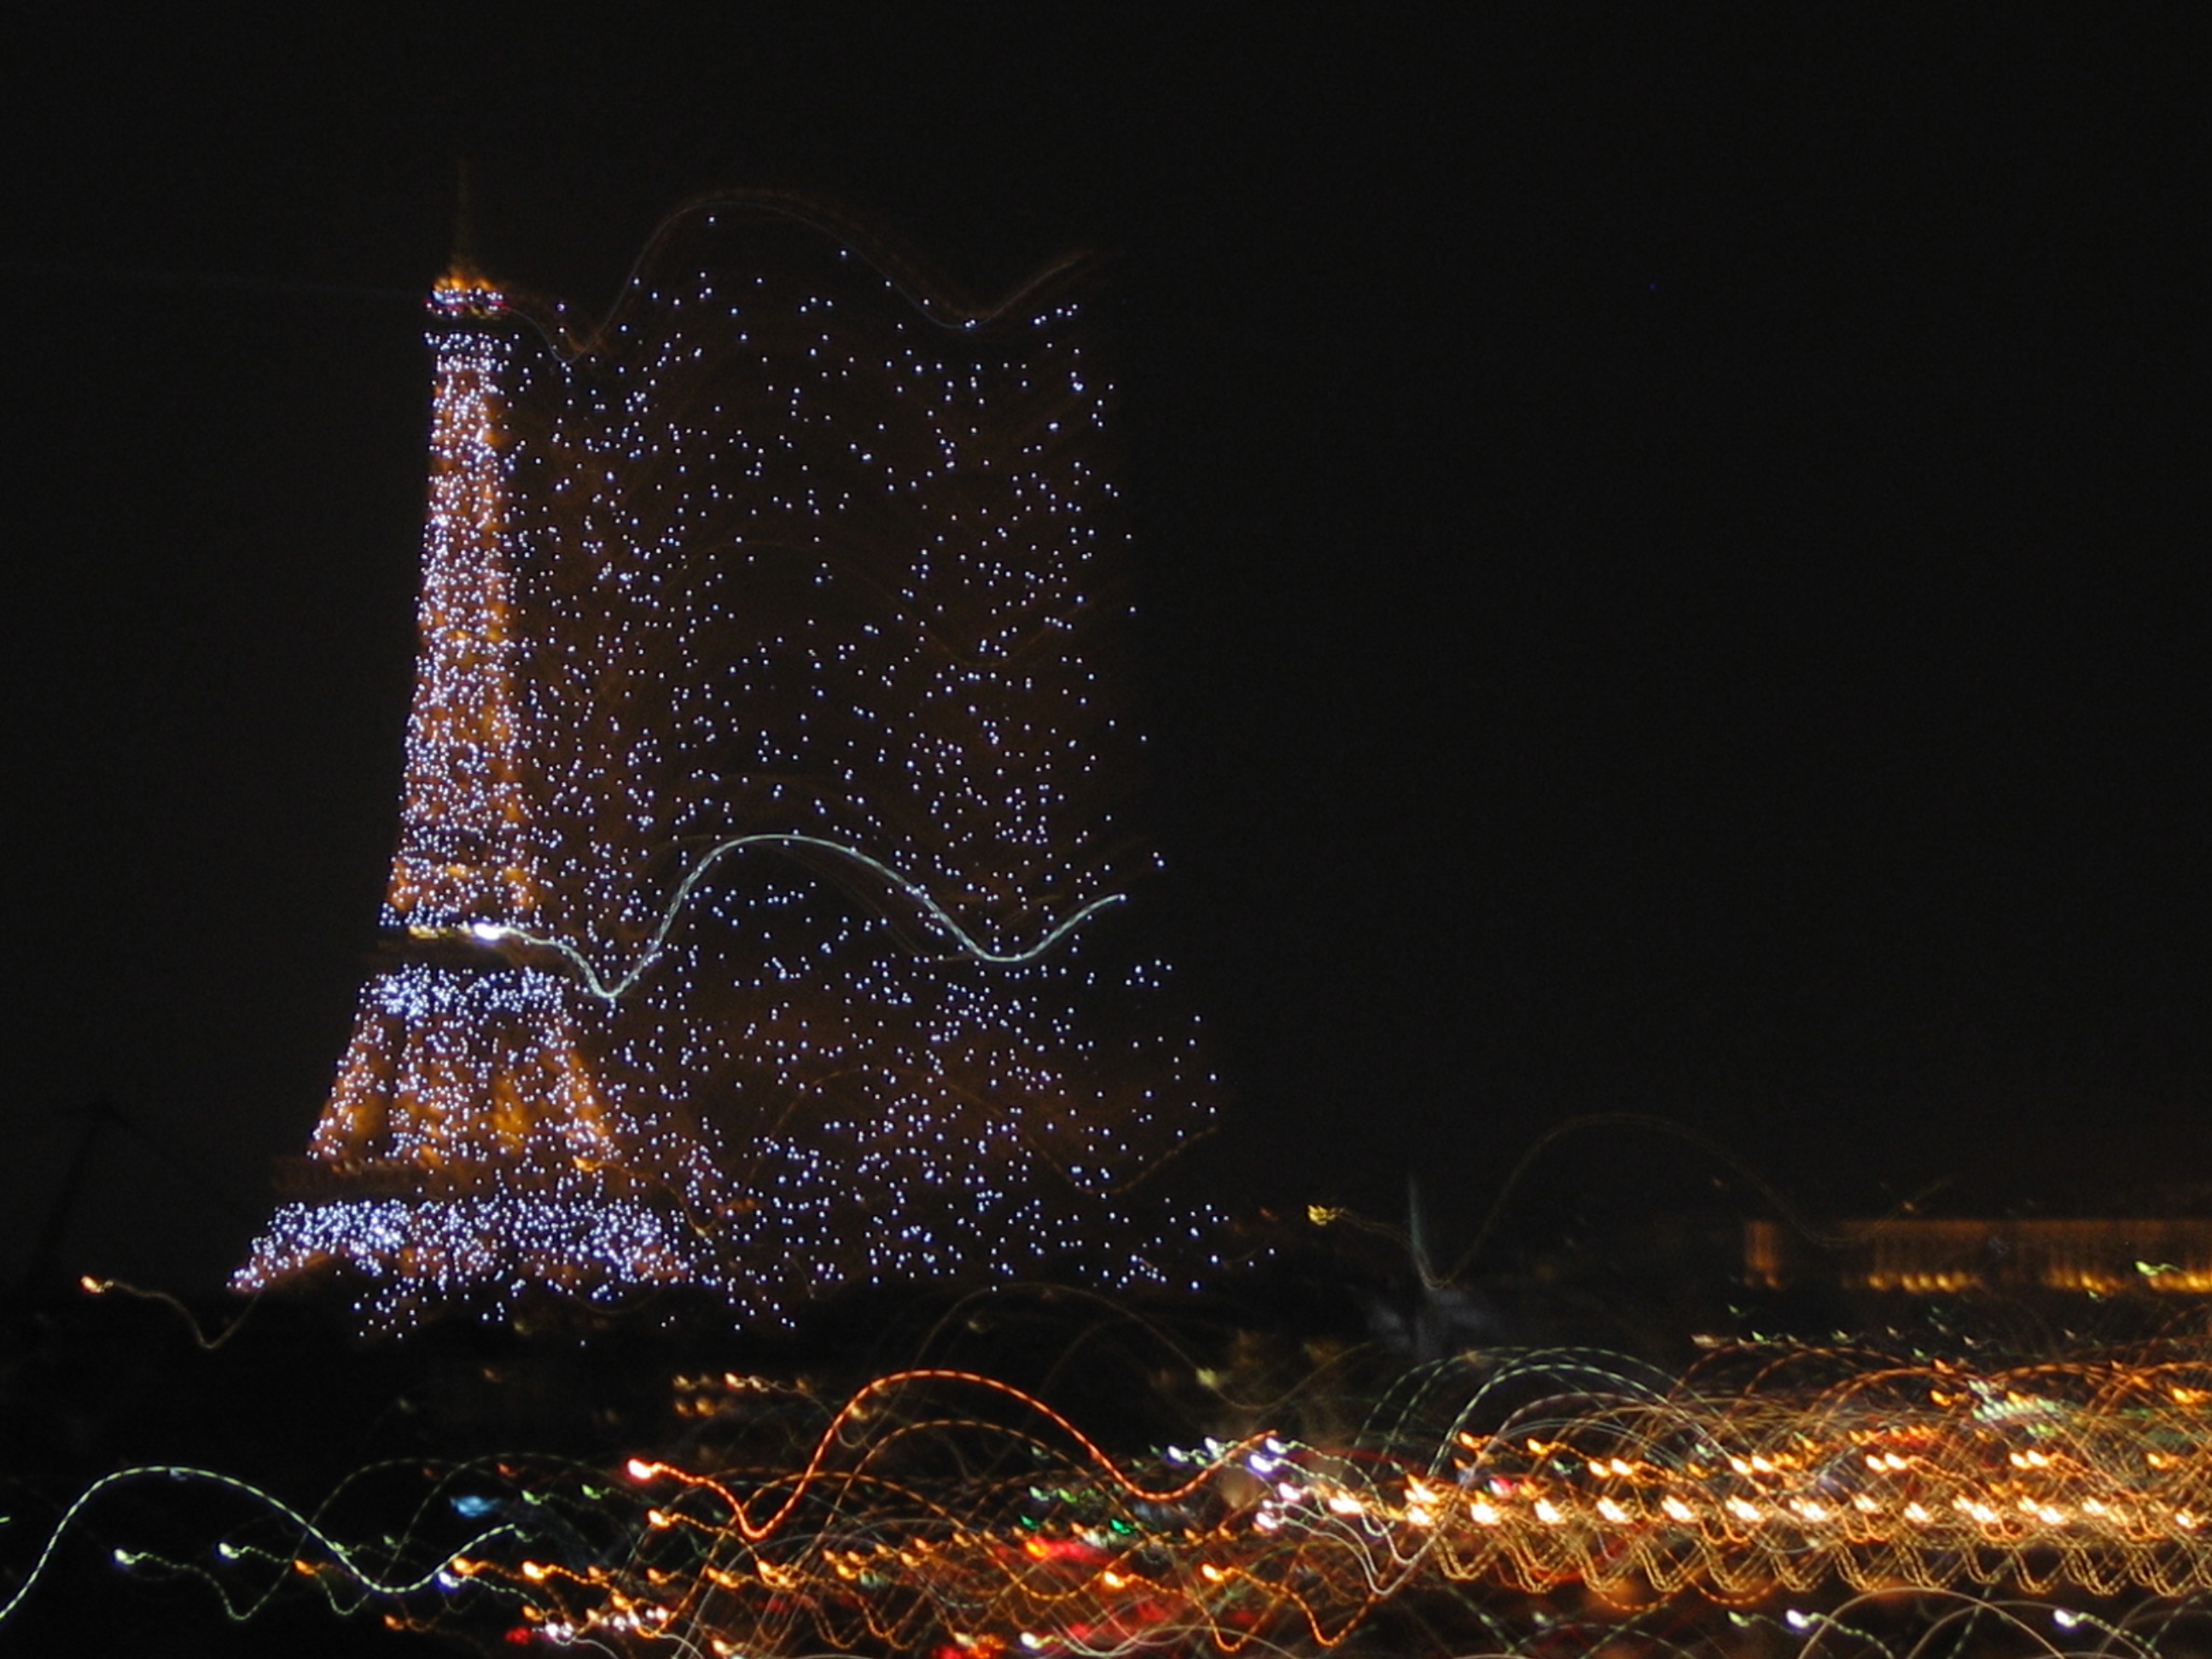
(458,1060)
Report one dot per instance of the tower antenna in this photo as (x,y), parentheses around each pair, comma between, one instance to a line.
(463,262)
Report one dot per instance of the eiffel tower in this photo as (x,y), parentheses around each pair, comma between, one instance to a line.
(465,1110)
(759,919)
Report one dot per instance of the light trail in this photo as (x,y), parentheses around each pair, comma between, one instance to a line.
(965,943)
(1786,1497)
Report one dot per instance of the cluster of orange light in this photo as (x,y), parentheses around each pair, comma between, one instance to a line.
(945,1512)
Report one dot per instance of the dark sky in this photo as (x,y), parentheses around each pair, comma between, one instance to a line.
(1673,557)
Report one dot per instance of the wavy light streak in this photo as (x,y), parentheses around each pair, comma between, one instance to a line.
(1803,1493)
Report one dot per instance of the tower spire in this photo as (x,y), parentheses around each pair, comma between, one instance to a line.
(464,289)
(462,262)
(463,855)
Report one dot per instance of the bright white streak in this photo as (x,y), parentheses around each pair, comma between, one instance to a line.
(967,944)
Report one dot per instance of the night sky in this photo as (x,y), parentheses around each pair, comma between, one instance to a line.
(1672,559)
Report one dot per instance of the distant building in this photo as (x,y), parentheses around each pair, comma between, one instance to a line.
(2098,1256)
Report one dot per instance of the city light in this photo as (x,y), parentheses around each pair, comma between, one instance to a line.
(1531,1496)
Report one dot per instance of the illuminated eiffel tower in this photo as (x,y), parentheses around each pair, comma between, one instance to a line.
(760,918)
(457,1024)
(464,1113)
